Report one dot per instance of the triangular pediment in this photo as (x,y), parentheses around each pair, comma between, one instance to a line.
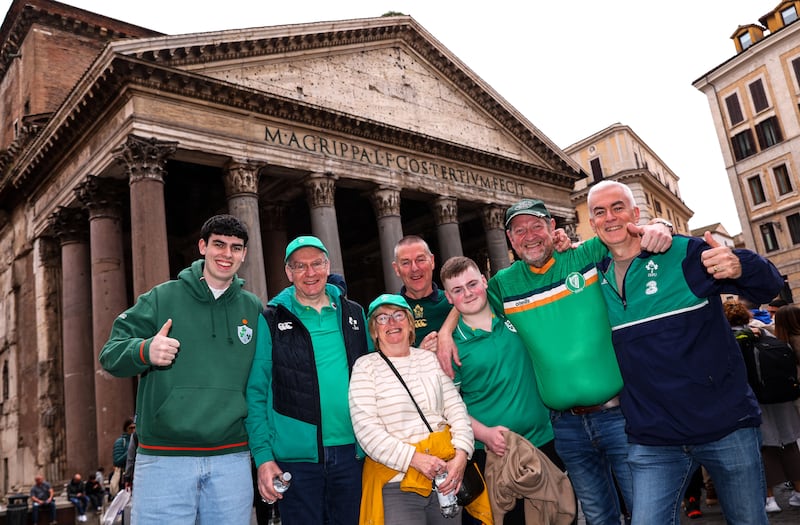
(387,70)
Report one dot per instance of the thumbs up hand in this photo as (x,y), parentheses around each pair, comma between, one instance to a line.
(720,261)
(164,349)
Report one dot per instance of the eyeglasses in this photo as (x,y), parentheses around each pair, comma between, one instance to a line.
(299,267)
(399,316)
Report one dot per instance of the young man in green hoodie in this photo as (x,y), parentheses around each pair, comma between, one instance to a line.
(192,342)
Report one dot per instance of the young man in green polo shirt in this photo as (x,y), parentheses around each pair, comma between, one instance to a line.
(494,363)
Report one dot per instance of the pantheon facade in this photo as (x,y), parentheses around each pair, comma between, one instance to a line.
(117,142)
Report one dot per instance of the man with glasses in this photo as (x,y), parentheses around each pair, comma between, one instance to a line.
(298,414)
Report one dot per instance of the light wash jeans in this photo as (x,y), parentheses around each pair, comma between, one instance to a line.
(594,448)
(189,490)
(662,473)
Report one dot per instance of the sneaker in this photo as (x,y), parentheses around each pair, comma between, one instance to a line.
(794,500)
(693,508)
(772,505)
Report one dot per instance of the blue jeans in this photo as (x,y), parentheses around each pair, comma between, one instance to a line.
(662,473)
(327,492)
(594,448)
(43,507)
(80,502)
(189,490)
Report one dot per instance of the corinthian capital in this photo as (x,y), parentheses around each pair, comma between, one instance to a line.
(493,217)
(145,158)
(241,177)
(319,190)
(445,210)
(386,202)
(102,196)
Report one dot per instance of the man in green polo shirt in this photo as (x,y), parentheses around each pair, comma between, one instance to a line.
(494,363)
(298,415)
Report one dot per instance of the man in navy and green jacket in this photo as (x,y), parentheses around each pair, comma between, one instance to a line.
(192,341)
(298,413)
(685,395)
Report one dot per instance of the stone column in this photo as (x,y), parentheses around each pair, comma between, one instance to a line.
(49,393)
(114,397)
(71,227)
(145,161)
(445,211)
(493,218)
(276,239)
(319,191)
(386,203)
(241,188)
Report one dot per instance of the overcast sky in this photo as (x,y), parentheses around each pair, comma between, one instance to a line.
(571,68)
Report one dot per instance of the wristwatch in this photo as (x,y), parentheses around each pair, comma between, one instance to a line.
(665,222)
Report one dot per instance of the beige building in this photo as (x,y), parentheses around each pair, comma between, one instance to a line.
(117,142)
(754,99)
(617,153)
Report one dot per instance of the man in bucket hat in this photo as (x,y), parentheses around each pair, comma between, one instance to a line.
(298,414)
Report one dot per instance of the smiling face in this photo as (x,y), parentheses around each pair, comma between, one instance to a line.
(414,265)
(223,255)
(610,211)
(532,238)
(308,268)
(395,333)
(467,291)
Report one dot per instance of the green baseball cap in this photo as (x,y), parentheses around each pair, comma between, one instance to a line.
(302,242)
(533,207)
(387,298)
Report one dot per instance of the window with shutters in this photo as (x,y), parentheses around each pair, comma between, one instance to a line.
(743,144)
(734,109)
(597,169)
(793,221)
(759,96)
(769,237)
(756,190)
(782,180)
(768,132)
(796,69)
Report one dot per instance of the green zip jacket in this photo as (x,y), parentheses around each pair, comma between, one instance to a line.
(196,406)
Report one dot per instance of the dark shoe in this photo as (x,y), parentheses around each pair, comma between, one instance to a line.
(692,508)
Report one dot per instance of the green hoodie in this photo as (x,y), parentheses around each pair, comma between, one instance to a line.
(195,406)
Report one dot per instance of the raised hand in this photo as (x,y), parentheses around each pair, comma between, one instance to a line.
(720,261)
(164,349)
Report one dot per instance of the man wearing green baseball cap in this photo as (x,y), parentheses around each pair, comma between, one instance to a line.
(298,415)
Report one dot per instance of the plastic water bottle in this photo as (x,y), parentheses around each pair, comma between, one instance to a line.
(447,502)
(281,482)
